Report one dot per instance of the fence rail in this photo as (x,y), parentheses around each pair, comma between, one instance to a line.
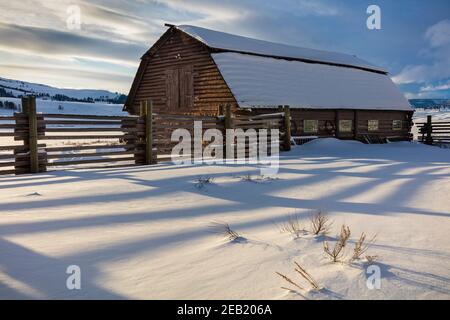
(434,132)
(45,141)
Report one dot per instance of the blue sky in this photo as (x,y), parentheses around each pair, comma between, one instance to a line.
(37,44)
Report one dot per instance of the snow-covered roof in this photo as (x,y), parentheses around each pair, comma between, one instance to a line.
(259,81)
(231,42)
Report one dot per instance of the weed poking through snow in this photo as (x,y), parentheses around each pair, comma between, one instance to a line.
(361,246)
(371,259)
(320,224)
(337,252)
(256,179)
(224,229)
(304,274)
(203,181)
(293,226)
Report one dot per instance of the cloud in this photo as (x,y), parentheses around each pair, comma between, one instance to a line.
(64,77)
(439,34)
(438,38)
(438,87)
(49,42)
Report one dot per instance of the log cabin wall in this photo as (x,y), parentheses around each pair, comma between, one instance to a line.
(328,122)
(181,78)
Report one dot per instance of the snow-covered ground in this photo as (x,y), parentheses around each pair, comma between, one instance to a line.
(144,232)
(19,88)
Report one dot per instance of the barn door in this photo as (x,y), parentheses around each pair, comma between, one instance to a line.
(186,87)
(180,88)
(172,89)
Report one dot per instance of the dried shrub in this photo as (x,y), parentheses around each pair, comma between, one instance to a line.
(320,223)
(292,226)
(371,259)
(224,229)
(289,281)
(304,274)
(361,246)
(203,181)
(338,250)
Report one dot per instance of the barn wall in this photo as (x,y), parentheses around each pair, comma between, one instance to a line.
(329,118)
(188,55)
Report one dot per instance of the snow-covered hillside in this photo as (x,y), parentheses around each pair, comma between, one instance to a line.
(18,88)
(65,107)
(144,232)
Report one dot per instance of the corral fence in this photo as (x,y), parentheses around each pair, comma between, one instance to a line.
(44,141)
(434,132)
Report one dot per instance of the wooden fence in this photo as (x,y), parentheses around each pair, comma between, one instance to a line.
(437,132)
(45,141)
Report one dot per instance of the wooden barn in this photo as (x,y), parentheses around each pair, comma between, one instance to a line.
(196,71)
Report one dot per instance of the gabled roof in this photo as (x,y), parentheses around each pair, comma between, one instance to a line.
(262,82)
(262,74)
(230,42)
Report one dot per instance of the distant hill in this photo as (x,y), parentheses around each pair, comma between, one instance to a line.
(430,103)
(17,89)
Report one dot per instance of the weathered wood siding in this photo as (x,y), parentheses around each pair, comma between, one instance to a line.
(328,122)
(181,77)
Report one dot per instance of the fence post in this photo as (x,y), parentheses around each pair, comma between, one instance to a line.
(287,126)
(148,111)
(429,138)
(29,108)
(228,125)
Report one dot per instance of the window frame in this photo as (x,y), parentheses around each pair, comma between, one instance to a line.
(316,125)
(350,128)
(400,127)
(369,125)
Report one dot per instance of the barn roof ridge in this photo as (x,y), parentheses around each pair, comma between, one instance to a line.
(227,42)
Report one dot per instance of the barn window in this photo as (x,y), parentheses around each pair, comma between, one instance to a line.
(396,124)
(180,88)
(310,126)
(372,125)
(345,125)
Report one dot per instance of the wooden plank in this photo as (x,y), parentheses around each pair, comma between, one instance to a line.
(5,148)
(81,122)
(68,163)
(88,137)
(11,171)
(68,129)
(7,164)
(84,116)
(6,156)
(92,154)
(7,126)
(7,134)
(89,147)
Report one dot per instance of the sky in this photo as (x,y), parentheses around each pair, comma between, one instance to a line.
(97,44)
